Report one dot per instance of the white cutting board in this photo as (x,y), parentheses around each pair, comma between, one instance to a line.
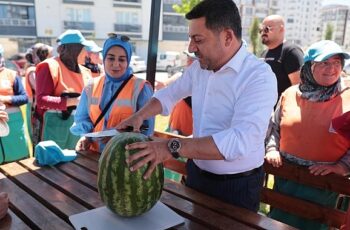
(159,217)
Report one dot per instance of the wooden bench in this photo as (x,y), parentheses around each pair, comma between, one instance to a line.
(306,209)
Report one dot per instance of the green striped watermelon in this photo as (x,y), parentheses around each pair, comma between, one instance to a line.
(124,192)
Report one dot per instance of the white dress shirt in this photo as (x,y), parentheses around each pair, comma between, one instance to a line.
(233,105)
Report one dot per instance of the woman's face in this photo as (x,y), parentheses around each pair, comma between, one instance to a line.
(326,73)
(116,62)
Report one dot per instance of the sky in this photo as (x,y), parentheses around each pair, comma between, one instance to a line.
(344,2)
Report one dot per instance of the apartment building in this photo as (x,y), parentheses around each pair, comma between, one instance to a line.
(250,9)
(338,16)
(24,22)
(302,20)
(17,23)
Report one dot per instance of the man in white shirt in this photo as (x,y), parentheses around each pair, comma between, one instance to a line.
(233,94)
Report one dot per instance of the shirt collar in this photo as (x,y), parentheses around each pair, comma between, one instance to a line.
(236,62)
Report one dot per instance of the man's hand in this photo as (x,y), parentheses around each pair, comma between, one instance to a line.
(274,158)
(4,204)
(324,169)
(152,152)
(133,121)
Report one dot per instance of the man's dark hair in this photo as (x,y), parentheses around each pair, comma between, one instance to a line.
(219,14)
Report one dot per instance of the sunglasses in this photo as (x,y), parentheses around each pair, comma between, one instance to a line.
(124,38)
(265,29)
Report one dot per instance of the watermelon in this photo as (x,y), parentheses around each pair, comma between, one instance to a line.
(122,191)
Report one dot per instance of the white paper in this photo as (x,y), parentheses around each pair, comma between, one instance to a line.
(105,133)
(158,218)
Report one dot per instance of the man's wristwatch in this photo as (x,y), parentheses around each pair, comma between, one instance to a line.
(174,146)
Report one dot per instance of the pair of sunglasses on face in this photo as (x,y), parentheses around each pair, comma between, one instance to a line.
(123,38)
(265,29)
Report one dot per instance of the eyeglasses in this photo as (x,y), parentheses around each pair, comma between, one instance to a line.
(124,38)
(326,64)
(265,29)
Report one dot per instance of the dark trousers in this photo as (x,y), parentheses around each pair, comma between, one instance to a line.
(241,191)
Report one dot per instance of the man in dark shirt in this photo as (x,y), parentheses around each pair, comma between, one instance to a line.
(284,57)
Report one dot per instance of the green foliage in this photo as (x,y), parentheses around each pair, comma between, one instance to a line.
(185,6)
(254,35)
(329,32)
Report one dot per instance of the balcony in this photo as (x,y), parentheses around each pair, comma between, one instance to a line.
(128,28)
(17,27)
(17,22)
(175,33)
(79,2)
(79,25)
(176,29)
(127,3)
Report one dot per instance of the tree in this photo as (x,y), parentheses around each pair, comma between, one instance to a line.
(254,35)
(185,6)
(329,32)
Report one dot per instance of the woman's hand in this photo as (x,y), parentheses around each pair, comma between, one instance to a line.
(274,158)
(325,169)
(83,144)
(5,99)
(4,204)
(4,115)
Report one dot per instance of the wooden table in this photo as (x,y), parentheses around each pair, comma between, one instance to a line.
(44,198)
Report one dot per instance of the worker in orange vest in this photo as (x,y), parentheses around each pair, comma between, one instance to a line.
(59,83)
(97,97)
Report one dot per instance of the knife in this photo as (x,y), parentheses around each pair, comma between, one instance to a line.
(113,132)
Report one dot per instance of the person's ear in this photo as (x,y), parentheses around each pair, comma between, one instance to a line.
(229,37)
(282,28)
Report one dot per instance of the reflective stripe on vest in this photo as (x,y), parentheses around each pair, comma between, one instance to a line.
(305,127)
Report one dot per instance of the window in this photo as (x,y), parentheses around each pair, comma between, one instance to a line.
(78,15)
(128,18)
(17,12)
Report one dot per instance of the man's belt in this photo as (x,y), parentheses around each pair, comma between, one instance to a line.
(214,176)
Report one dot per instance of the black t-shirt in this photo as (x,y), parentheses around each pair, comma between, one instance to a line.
(284,59)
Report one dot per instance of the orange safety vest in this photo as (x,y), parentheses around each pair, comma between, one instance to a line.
(123,107)
(65,79)
(7,80)
(28,87)
(181,118)
(305,127)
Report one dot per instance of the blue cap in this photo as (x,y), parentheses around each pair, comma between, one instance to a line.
(323,50)
(72,37)
(92,47)
(49,153)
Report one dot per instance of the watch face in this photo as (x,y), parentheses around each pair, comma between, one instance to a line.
(174,145)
